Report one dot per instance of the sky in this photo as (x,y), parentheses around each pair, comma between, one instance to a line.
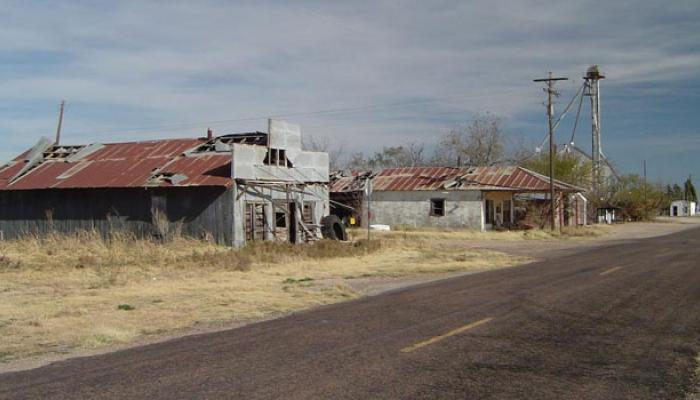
(360,74)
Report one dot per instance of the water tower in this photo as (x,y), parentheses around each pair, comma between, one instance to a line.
(592,90)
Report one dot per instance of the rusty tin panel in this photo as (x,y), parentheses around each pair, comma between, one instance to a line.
(448,178)
(125,165)
(203,170)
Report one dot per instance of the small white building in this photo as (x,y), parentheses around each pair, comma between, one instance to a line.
(608,214)
(682,208)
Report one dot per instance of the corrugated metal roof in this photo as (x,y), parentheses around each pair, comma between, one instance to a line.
(507,178)
(121,165)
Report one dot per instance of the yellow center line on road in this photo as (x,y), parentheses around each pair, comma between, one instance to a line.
(610,271)
(445,335)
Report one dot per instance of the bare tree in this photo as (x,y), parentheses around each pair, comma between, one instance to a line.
(414,154)
(336,153)
(358,161)
(410,155)
(481,143)
(449,150)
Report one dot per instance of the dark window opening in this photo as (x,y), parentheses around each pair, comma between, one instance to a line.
(437,207)
(507,207)
(308,212)
(277,157)
(280,219)
(488,211)
(61,152)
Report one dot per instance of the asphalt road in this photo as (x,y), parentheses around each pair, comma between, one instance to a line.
(619,322)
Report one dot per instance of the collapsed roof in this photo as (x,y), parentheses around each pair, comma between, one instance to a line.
(155,163)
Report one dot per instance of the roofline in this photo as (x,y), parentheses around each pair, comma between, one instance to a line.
(564,187)
(148,187)
(556,181)
(163,139)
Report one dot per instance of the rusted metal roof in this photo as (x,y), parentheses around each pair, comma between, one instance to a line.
(507,178)
(124,165)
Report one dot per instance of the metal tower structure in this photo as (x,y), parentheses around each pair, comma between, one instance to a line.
(592,90)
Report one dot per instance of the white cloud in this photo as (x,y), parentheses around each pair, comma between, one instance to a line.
(183,62)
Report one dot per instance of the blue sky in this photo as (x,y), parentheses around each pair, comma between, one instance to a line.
(133,70)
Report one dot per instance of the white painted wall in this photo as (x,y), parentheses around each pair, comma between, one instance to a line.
(684,208)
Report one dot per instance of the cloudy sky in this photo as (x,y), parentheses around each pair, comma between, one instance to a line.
(364,74)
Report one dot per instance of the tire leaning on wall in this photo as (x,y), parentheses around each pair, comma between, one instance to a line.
(332,228)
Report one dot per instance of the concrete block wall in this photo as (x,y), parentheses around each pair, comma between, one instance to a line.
(463,209)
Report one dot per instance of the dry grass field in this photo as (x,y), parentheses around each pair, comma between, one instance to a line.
(67,294)
(566,233)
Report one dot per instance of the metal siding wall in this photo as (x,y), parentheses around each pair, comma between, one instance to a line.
(201,209)
(43,211)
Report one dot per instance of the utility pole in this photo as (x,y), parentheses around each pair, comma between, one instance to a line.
(646,214)
(368,194)
(550,80)
(60,123)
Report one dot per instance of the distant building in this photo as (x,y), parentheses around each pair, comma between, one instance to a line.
(472,197)
(608,214)
(231,189)
(682,208)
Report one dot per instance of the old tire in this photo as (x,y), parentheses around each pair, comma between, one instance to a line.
(332,228)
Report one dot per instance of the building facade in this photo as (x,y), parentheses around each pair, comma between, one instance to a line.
(231,189)
(682,208)
(479,198)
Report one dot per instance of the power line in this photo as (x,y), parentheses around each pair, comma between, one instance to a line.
(563,114)
(578,115)
(187,125)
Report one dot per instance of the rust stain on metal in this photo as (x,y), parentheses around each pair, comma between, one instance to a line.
(447,178)
(120,165)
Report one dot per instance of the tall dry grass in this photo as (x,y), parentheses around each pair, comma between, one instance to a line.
(88,250)
(61,294)
(406,232)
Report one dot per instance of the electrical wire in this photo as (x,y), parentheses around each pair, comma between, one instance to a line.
(561,116)
(578,114)
(188,125)
(566,110)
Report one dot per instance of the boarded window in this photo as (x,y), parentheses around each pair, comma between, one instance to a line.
(437,207)
(254,221)
(308,212)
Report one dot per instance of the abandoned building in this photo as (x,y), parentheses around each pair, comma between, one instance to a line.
(480,198)
(230,189)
